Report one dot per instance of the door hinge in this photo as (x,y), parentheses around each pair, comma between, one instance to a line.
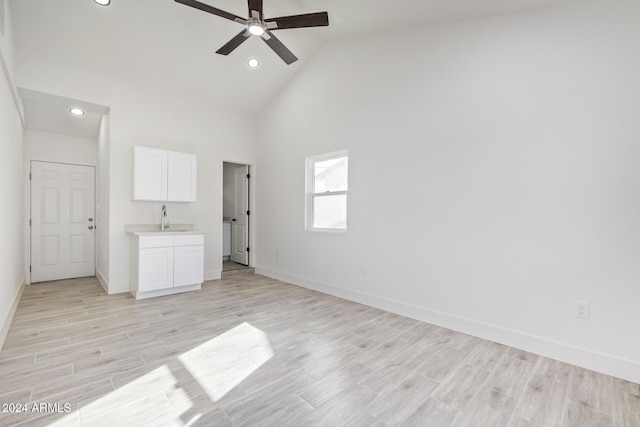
(29,269)
(29,176)
(29,222)
(247,249)
(248,212)
(248,176)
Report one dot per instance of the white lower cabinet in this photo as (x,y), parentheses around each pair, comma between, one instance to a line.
(167,264)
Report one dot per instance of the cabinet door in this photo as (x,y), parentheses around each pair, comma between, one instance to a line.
(150,174)
(182,179)
(155,269)
(188,265)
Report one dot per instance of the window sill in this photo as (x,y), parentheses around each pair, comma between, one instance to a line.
(327,230)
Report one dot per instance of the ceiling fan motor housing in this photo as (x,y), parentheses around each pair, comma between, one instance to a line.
(256,27)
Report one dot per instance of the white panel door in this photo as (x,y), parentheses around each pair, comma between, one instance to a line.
(62,221)
(188,265)
(182,177)
(240,221)
(150,174)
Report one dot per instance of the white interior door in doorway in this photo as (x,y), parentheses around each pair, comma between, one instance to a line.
(62,221)
(240,220)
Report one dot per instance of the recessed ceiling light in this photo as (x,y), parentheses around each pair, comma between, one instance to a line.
(76,111)
(253,63)
(103,2)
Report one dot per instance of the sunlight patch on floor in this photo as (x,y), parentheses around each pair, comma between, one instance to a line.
(210,371)
(220,364)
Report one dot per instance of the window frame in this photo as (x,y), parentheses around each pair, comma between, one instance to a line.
(310,195)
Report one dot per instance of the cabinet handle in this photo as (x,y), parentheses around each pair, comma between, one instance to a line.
(90,227)
(90,219)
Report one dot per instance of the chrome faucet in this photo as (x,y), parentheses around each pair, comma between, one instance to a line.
(163,223)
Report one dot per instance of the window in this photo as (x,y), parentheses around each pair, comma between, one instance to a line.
(327,185)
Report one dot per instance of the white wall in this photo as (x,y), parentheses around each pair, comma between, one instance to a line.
(53,147)
(493,178)
(11,179)
(102,206)
(7,43)
(177,126)
(149,118)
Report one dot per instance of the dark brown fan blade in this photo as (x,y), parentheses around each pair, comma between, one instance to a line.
(210,9)
(280,49)
(255,5)
(234,43)
(319,19)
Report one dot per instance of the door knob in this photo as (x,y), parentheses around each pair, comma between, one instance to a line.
(234,220)
(91,227)
(90,219)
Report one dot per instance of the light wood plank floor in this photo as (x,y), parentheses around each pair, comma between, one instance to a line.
(233,266)
(248,351)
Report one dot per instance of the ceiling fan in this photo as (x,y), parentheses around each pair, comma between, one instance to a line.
(257,25)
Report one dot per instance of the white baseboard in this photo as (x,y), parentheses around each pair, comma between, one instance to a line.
(118,288)
(589,359)
(112,288)
(123,288)
(168,291)
(212,275)
(7,322)
(103,281)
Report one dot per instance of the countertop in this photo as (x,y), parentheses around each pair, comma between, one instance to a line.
(154,230)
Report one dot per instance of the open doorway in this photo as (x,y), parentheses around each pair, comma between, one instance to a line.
(236,212)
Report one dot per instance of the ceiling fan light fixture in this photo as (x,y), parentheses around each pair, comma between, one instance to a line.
(256,28)
(75,111)
(103,2)
(253,63)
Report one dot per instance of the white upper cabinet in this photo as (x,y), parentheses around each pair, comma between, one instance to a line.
(150,176)
(161,175)
(182,182)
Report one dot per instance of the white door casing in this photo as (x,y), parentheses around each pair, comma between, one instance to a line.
(240,221)
(62,221)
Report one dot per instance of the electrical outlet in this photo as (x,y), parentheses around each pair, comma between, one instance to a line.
(277,254)
(582,310)
(365,271)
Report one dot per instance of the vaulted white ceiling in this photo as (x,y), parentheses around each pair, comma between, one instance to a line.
(164,45)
